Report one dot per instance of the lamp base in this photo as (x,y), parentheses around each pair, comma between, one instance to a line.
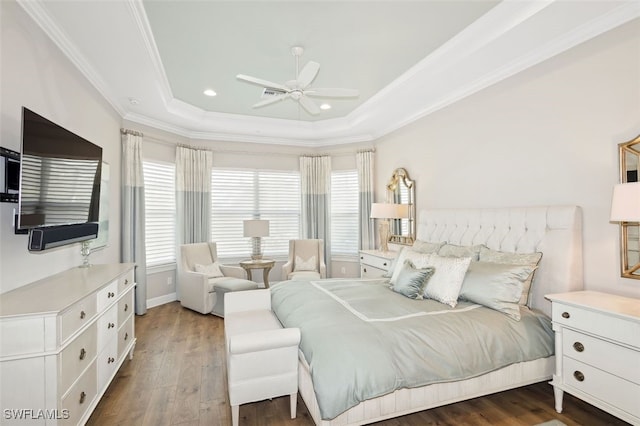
(383,231)
(256,257)
(256,248)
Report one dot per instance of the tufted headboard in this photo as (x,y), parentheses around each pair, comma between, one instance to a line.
(556,231)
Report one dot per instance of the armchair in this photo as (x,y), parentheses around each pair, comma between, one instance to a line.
(306,260)
(203,292)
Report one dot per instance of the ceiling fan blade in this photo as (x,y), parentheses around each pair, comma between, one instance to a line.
(272,100)
(309,105)
(332,93)
(263,83)
(308,74)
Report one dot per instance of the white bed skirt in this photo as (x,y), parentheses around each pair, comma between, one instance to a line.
(406,401)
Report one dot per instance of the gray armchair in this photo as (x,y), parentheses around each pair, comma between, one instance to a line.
(200,292)
(311,253)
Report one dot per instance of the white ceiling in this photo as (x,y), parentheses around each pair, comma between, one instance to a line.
(152,59)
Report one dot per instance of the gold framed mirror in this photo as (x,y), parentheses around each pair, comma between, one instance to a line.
(629,157)
(401,190)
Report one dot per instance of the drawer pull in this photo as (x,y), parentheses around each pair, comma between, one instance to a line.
(110,360)
(579,347)
(110,325)
(579,376)
(126,282)
(126,307)
(83,396)
(83,354)
(126,336)
(110,295)
(82,315)
(384,264)
(566,315)
(364,269)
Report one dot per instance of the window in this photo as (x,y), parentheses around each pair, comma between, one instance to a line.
(160,212)
(345,228)
(237,195)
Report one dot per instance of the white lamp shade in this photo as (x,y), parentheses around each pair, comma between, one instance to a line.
(256,228)
(389,211)
(625,205)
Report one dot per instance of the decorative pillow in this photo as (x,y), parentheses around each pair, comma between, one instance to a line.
(411,281)
(452,250)
(444,286)
(305,265)
(212,271)
(420,260)
(494,256)
(496,285)
(426,247)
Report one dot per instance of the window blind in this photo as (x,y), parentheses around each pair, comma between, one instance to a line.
(160,212)
(237,195)
(344,212)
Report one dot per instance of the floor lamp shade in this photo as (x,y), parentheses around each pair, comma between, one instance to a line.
(256,229)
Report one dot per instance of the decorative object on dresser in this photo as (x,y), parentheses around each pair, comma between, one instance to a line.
(375,263)
(625,208)
(63,339)
(598,351)
(256,229)
(264,264)
(384,212)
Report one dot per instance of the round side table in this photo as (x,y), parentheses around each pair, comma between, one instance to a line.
(264,264)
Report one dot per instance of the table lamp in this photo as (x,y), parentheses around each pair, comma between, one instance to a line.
(625,208)
(384,212)
(256,229)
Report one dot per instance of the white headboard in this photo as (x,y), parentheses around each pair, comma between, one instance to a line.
(556,231)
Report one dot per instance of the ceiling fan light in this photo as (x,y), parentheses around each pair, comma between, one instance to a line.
(210,92)
(325,106)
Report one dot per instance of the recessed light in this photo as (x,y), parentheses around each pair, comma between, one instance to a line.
(134,101)
(210,92)
(325,106)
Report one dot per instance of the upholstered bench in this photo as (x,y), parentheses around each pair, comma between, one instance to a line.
(229,285)
(262,356)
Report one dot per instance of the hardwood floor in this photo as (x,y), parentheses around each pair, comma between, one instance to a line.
(177,377)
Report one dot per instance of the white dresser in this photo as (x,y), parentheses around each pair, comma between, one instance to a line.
(598,351)
(62,340)
(374,263)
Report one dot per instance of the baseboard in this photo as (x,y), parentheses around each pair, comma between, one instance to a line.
(161,300)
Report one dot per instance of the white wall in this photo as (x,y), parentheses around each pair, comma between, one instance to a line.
(34,73)
(546,136)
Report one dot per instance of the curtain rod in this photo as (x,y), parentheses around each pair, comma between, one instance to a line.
(130,132)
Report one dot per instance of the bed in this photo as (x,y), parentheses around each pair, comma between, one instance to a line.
(372,310)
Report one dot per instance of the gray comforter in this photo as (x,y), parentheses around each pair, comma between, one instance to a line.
(362,340)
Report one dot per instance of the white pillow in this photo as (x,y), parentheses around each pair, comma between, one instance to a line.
(444,286)
(305,265)
(212,271)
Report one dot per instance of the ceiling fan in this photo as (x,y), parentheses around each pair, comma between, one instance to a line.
(299,89)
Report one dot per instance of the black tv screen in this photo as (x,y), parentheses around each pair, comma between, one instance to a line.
(59,175)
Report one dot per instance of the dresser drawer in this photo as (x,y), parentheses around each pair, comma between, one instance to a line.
(76,357)
(368,271)
(125,308)
(600,324)
(106,362)
(617,360)
(107,295)
(107,327)
(375,261)
(78,400)
(77,316)
(601,385)
(125,282)
(125,336)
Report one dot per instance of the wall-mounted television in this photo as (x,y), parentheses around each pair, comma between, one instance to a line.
(59,177)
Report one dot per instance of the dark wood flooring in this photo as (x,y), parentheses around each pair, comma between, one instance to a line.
(177,377)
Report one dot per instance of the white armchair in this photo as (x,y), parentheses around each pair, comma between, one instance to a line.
(201,292)
(262,357)
(306,260)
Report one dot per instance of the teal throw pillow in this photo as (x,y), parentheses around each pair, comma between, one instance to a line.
(411,281)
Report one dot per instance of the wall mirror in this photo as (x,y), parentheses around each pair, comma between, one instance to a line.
(401,190)
(629,156)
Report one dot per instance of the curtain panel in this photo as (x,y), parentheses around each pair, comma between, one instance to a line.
(315,186)
(366,232)
(193,194)
(133,234)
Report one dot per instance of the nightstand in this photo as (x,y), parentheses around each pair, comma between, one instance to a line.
(598,351)
(374,263)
